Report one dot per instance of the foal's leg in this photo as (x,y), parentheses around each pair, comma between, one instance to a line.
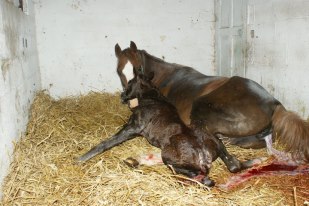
(232,163)
(127,132)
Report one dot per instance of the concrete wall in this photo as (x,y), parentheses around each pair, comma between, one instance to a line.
(278,52)
(76,38)
(19,76)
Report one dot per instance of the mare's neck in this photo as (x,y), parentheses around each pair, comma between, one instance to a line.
(156,65)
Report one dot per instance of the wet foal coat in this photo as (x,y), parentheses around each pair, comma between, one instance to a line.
(188,152)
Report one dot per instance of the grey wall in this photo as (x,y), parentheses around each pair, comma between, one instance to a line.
(278,53)
(19,78)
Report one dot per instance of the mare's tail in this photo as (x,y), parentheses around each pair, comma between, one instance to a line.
(292,131)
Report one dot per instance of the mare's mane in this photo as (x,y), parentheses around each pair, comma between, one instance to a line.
(158,60)
(154,58)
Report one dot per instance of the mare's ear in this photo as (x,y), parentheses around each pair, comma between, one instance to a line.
(133,46)
(117,50)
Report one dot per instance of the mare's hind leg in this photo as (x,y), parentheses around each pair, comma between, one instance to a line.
(251,142)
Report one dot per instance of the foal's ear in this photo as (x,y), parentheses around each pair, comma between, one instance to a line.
(150,76)
(117,50)
(135,72)
(133,46)
(139,75)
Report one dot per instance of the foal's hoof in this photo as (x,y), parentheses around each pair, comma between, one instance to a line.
(234,168)
(253,162)
(234,165)
(80,159)
(208,182)
(131,162)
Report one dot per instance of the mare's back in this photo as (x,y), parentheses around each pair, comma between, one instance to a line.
(185,82)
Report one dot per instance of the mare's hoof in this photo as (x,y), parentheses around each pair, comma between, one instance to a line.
(208,182)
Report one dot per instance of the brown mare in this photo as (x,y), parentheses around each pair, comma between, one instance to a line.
(235,107)
(186,151)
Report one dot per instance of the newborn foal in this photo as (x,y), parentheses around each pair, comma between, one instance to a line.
(187,152)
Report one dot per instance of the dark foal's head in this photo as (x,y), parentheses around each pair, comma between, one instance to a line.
(139,87)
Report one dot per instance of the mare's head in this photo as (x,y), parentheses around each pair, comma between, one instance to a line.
(129,62)
(140,87)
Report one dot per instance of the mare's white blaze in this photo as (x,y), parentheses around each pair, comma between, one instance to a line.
(128,71)
(129,74)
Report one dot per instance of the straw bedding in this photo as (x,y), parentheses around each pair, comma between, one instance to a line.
(44,171)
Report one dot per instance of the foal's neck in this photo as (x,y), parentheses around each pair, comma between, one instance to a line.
(151,96)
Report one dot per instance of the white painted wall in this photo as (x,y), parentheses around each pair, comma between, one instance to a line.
(76,38)
(278,54)
(19,76)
